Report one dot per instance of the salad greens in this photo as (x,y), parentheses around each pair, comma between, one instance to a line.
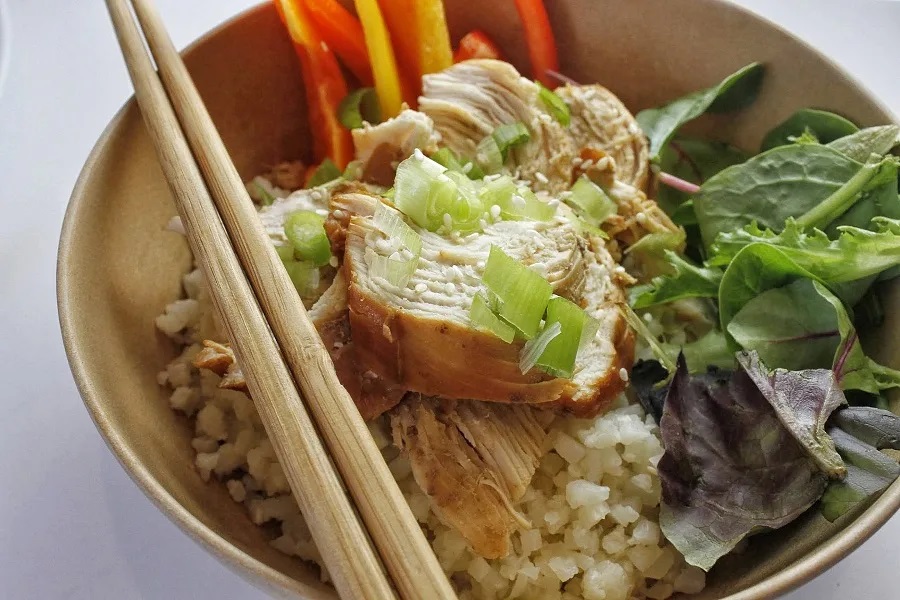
(783,249)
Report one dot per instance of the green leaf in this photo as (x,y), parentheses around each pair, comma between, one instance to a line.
(555,105)
(825,126)
(687,281)
(590,202)
(359,107)
(325,172)
(769,188)
(793,326)
(735,91)
(872,140)
(710,350)
(695,161)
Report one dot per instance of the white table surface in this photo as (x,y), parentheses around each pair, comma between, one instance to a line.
(72,524)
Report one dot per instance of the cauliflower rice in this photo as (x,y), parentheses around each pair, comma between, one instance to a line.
(593,502)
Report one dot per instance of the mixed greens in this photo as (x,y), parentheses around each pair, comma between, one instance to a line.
(776,407)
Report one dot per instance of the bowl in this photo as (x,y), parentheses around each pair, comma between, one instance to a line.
(118,267)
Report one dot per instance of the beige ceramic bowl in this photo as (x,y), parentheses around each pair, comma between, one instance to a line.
(118,267)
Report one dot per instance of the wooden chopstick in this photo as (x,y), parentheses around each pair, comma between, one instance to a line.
(390,522)
(346,550)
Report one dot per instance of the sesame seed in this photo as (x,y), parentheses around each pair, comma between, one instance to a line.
(450,288)
(333,261)
(545,118)
(518,201)
(321,212)
(641,218)
(494,177)
(420,288)
(479,264)
(565,195)
(448,221)
(541,177)
(603,163)
(482,223)
(620,270)
(577,161)
(315,195)
(467,167)
(587,164)
(495,212)
(623,374)
(338,214)
(552,202)
(417,154)
(648,317)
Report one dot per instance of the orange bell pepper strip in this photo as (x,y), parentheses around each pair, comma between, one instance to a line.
(381,53)
(476,44)
(421,40)
(540,40)
(343,34)
(324,82)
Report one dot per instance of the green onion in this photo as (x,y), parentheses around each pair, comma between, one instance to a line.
(590,202)
(358,107)
(483,318)
(325,172)
(640,328)
(515,202)
(558,355)
(304,275)
(588,331)
(422,192)
(535,347)
(402,263)
(488,156)
(447,158)
(266,199)
(465,214)
(510,135)
(354,170)
(522,294)
(555,105)
(306,232)
(285,252)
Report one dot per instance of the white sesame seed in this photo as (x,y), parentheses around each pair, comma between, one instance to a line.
(456,237)
(641,218)
(421,288)
(450,288)
(565,195)
(338,214)
(321,212)
(552,202)
(648,317)
(495,212)
(467,167)
(587,164)
(482,223)
(541,177)
(494,177)
(448,221)
(623,374)
(518,201)
(417,154)
(545,118)
(576,161)
(620,270)
(479,264)
(315,195)
(333,261)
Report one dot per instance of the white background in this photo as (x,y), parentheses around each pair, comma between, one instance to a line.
(72,525)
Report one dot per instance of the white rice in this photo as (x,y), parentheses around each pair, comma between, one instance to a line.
(593,503)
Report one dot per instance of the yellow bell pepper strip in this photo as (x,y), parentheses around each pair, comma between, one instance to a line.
(421,40)
(343,34)
(540,40)
(381,53)
(476,44)
(324,82)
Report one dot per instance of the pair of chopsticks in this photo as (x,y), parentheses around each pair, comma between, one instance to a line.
(277,345)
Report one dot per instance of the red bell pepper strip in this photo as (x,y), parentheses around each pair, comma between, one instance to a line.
(384,62)
(343,34)
(540,40)
(324,82)
(476,44)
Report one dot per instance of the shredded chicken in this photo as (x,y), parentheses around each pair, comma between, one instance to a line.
(474,460)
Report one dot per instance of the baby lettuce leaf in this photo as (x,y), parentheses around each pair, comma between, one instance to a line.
(794,326)
(825,126)
(687,281)
(864,143)
(859,433)
(695,161)
(709,351)
(731,467)
(734,92)
(784,182)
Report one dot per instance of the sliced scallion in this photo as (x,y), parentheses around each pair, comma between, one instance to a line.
(555,105)
(399,266)
(558,356)
(325,172)
(422,192)
(305,231)
(535,347)
(590,202)
(484,318)
(304,275)
(488,156)
(521,293)
(447,158)
(359,107)
(510,135)
(515,202)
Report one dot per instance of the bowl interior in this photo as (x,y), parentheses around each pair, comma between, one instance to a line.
(119,267)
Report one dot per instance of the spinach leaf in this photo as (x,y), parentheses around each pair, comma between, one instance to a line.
(704,353)
(687,281)
(738,458)
(695,161)
(793,326)
(861,145)
(769,188)
(735,91)
(859,433)
(825,126)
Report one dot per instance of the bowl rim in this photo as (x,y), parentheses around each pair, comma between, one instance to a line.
(820,559)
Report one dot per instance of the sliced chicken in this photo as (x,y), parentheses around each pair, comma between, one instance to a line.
(469,100)
(601,121)
(474,460)
(381,147)
(419,337)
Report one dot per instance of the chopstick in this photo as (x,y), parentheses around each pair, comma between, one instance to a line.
(270,300)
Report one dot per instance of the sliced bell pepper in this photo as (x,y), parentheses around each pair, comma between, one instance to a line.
(540,40)
(343,34)
(381,53)
(325,85)
(476,44)
(421,40)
